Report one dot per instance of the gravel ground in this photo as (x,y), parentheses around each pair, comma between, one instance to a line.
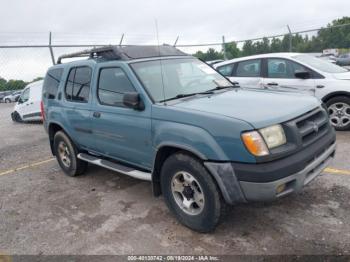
(42,211)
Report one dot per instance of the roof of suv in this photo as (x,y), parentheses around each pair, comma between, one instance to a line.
(282,55)
(126,53)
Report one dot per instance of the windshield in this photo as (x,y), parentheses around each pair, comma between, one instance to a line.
(169,78)
(320,64)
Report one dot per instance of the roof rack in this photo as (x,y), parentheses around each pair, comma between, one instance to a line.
(125,52)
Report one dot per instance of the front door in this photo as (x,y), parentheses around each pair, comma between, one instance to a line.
(119,132)
(280,76)
(25,105)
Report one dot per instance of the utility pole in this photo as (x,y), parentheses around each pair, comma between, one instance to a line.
(290,39)
(224,47)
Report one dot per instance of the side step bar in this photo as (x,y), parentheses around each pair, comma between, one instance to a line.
(116,167)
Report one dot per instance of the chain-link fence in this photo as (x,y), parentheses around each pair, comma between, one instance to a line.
(25,57)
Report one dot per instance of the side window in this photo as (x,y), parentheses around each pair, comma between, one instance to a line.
(226,70)
(282,68)
(78,84)
(113,84)
(25,95)
(250,68)
(51,83)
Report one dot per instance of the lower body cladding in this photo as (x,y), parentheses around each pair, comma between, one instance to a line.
(276,179)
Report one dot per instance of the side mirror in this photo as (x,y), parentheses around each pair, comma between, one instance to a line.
(302,74)
(133,100)
(20,101)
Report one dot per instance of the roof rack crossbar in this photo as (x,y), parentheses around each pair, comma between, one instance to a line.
(129,52)
(108,52)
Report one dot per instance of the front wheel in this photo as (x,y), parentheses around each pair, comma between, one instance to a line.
(66,154)
(339,112)
(7,100)
(190,192)
(16,117)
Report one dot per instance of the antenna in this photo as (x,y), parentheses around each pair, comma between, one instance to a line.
(160,60)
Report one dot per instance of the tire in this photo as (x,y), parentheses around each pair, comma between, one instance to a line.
(206,214)
(66,155)
(339,112)
(16,117)
(7,100)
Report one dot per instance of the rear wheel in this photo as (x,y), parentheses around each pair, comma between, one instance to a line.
(66,154)
(7,100)
(339,112)
(190,192)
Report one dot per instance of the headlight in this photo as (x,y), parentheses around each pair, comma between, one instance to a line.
(274,136)
(255,143)
(270,137)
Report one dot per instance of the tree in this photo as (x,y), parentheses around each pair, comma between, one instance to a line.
(248,48)
(232,51)
(2,84)
(211,54)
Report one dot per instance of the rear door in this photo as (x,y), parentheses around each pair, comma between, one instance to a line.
(279,75)
(77,105)
(119,132)
(247,73)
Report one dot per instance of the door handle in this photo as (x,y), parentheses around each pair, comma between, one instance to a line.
(96,114)
(272,84)
(320,86)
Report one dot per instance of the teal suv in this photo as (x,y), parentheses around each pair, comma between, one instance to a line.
(158,114)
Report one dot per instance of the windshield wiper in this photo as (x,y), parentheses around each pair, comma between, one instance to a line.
(223,87)
(187,95)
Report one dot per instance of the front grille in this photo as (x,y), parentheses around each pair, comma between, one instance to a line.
(312,126)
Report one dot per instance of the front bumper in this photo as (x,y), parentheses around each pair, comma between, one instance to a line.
(268,191)
(235,189)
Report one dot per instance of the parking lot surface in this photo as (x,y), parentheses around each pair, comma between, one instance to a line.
(42,211)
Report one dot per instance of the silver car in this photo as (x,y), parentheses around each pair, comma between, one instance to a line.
(12,97)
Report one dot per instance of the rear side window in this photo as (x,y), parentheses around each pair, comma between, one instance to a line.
(113,84)
(250,68)
(226,70)
(78,84)
(51,83)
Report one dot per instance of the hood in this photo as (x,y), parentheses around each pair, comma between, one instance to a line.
(342,76)
(259,108)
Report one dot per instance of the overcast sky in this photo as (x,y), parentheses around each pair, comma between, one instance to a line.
(196,21)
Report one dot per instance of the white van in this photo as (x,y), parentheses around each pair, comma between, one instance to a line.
(28,106)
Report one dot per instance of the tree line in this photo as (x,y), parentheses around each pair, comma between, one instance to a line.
(327,37)
(14,84)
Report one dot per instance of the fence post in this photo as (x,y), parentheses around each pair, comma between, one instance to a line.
(51,51)
(290,39)
(121,40)
(177,38)
(224,47)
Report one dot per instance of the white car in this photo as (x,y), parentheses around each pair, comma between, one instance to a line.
(28,105)
(295,72)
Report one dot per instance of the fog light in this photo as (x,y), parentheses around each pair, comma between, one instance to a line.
(281,188)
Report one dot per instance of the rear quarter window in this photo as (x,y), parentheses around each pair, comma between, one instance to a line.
(226,70)
(51,83)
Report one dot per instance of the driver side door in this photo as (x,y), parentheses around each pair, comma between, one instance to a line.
(24,106)
(279,75)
